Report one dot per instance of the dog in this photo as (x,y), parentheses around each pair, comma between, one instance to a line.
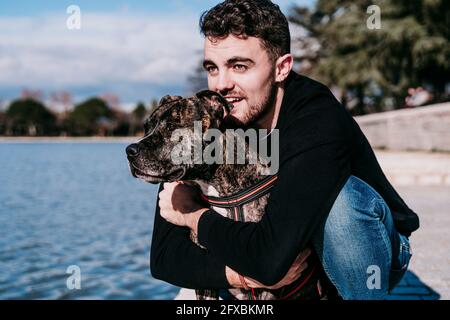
(150,160)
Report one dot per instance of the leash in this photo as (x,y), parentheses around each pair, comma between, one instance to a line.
(235,205)
(235,202)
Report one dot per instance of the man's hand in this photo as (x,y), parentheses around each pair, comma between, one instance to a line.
(179,204)
(293,274)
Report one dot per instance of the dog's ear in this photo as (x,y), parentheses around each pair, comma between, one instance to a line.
(167,99)
(215,105)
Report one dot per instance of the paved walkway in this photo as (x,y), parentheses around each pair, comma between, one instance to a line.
(429,273)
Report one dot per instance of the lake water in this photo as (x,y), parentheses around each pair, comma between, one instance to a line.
(75,204)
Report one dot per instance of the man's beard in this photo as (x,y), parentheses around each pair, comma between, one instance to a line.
(255,112)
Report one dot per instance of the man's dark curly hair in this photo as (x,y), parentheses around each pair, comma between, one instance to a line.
(249,18)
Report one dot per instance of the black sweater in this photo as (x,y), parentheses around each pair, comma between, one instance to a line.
(320,147)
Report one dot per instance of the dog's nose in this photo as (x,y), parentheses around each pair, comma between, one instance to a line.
(132,150)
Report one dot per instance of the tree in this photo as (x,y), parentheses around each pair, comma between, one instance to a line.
(60,101)
(2,123)
(140,112)
(29,117)
(137,118)
(378,65)
(90,117)
(36,95)
(122,123)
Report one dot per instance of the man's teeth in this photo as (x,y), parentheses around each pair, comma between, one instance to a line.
(232,100)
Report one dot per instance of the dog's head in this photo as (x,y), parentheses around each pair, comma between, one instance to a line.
(150,158)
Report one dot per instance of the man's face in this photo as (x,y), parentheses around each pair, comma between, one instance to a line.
(241,71)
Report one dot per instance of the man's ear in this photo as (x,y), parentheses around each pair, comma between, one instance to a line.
(283,67)
(216,105)
(167,99)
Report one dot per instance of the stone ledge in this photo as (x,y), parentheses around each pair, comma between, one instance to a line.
(415,168)
(422,129)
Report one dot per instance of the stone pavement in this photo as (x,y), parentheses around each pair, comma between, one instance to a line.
(428,276)
(429,271)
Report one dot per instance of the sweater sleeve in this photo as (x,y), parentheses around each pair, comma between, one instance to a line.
(177,260)
(314,165)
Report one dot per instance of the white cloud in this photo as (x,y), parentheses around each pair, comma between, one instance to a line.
(121,52)
(40,52)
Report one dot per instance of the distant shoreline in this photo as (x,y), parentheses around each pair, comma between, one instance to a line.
(4,139)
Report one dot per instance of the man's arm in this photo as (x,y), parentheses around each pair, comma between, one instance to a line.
(311,174)
(177,260)
(184,205)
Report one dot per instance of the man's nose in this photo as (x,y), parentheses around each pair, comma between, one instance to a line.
(132,150)
(224,83)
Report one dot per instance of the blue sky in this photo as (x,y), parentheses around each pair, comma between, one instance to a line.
(138,50)
(34,7)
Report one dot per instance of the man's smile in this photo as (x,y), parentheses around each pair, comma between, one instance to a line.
(234,101)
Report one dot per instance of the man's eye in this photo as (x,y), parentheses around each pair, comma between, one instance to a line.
(240,67)
(211,69)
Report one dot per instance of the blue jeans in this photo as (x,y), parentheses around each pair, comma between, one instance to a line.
(361,251)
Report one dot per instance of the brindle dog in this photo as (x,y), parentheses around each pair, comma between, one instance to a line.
(150,160)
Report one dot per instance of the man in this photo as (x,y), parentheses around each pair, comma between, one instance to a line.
(330,191)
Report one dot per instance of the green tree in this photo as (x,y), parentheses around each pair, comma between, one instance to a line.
(29,117)
(2,123)
(137,118)
(121,124)
(410,49)
(140,112)
(90,117)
